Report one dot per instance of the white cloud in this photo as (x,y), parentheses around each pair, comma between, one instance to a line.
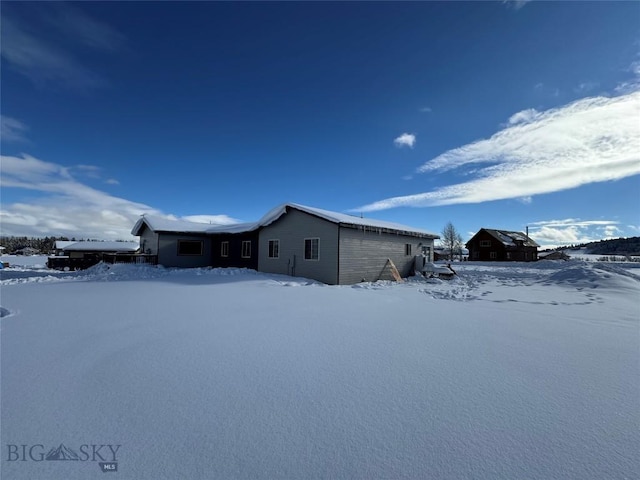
(405,140)
(611,231)
(591,140)
(112,181)
(573,222)
(426,109)
(66,206)
(525,116)
(12,130)
(571,231)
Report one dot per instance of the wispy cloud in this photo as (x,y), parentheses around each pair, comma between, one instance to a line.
(524,116)
(12,130)
(591,140)
(516,4)
(405,140)
(585,87)
(78,25)
(66,205)
(426,109)
(38,47)
(632,84)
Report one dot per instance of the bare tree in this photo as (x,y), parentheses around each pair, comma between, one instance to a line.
(451,240)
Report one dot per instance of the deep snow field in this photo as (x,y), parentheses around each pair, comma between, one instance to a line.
(509,371)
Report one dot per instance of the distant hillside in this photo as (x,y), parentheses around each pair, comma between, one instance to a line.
(618,246)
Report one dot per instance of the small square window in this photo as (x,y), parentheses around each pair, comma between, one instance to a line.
(493,255)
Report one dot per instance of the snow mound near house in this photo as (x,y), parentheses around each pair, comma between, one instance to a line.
(583,275)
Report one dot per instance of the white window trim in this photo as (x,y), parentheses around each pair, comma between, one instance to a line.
(277,240)
(222,245)
(305,249)
(244,242)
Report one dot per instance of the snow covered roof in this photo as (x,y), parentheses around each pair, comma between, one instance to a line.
(124,247)
(343,219)
(159,224)
(162,224)
(511,239)
(60,244)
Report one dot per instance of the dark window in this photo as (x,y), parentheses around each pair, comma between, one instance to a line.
(274,248)
(189,247)
(493,255)
(311,248)
(246,249)
(224,249)
(485,243)
(407,249)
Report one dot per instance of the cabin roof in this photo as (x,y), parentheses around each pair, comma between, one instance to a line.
(510,238)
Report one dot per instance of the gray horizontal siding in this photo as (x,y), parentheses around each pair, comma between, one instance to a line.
(148,241)
(291,229)
(168,251)
(363,255)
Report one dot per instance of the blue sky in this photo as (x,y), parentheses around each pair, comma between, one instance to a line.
(485,114)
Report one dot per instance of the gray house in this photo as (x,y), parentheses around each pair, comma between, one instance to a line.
(291,239)
(335,248)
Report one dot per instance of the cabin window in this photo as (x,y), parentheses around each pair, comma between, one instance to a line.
(493,255)
(485,243)
(274,248)
(508,255)
(190,247)
(311,248)
(246,249)
(407,249)
(224,249)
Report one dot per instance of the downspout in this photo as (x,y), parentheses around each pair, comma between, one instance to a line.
(338,259)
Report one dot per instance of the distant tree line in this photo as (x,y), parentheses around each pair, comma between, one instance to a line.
(617,246)
(43,245)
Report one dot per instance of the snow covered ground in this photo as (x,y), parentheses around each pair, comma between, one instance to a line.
(510,371)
